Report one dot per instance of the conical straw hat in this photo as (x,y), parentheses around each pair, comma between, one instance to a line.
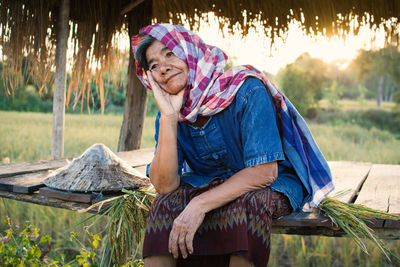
(97,169)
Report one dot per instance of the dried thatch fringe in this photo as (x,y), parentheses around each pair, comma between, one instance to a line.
(316,15)
(28,38)
(28,31)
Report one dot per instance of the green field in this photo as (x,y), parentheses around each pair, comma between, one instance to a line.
(347,104)
(27,137)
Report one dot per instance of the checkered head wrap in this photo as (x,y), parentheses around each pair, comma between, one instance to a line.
(209,89)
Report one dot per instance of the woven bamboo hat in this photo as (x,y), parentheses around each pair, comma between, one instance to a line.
(97,169)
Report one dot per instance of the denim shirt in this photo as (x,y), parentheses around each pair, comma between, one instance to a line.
(243,135)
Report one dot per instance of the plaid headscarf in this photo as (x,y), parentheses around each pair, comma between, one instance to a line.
(210,90)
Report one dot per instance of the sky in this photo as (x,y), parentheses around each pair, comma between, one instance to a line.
(255,48)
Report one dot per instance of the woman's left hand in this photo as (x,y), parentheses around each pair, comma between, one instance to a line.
(183,230)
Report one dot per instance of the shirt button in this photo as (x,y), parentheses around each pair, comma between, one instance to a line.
(215,156)
(201,132)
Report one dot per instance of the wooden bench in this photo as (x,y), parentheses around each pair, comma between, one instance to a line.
(375,185)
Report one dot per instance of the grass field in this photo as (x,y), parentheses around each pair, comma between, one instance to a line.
(347,104)
(27,137)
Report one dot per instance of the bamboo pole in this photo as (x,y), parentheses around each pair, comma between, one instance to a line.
(57,144)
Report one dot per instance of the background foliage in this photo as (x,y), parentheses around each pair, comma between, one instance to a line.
(372,75)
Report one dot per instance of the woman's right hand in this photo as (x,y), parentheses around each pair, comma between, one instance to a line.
(169,105)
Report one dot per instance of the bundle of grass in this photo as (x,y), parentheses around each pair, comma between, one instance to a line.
(351,219)
(126,221)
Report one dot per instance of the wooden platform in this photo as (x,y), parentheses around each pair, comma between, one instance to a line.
(375,185)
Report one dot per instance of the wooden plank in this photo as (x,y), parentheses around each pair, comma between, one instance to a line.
(348,178)
(142,169)
(8,170)
(314,219)
(307,230)
(381,189)
(392,224)
(383,233)
(303,219)
(291,224)
(43,200)
(67,196)
(135,158)
(394,200)
(298,223)
(26,183)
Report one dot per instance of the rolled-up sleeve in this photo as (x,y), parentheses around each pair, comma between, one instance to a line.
(259,132)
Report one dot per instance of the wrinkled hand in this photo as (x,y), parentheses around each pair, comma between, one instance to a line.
(183,230)
(169,105)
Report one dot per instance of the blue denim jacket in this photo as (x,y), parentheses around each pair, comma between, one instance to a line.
(245,134)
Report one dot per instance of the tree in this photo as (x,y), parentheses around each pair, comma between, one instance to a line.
(316,72)
(379,71)
(304,81)
(294,84)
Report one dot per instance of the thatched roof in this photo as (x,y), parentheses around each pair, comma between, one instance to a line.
(28,27)
(316,15)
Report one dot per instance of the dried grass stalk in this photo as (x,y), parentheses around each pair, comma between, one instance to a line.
(351,219)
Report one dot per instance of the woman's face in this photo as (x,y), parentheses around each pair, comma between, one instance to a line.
(169,71)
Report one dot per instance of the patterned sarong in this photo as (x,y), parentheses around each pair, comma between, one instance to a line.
(241,227)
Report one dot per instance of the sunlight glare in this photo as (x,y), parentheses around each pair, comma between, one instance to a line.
(255,48)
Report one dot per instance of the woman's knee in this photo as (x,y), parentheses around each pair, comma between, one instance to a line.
(159,261)
(237,261)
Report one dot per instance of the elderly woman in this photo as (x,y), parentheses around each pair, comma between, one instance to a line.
(232,154)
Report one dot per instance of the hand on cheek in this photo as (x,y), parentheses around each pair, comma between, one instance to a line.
(169,105)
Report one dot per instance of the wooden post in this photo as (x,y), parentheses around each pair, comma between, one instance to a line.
(136,95)
(57,142)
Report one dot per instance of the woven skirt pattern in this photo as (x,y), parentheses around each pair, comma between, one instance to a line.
(241,227)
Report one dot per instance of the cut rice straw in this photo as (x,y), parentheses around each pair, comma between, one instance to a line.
(350,217)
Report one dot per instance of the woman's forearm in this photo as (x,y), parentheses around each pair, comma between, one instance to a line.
(246,180)
(163,170)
